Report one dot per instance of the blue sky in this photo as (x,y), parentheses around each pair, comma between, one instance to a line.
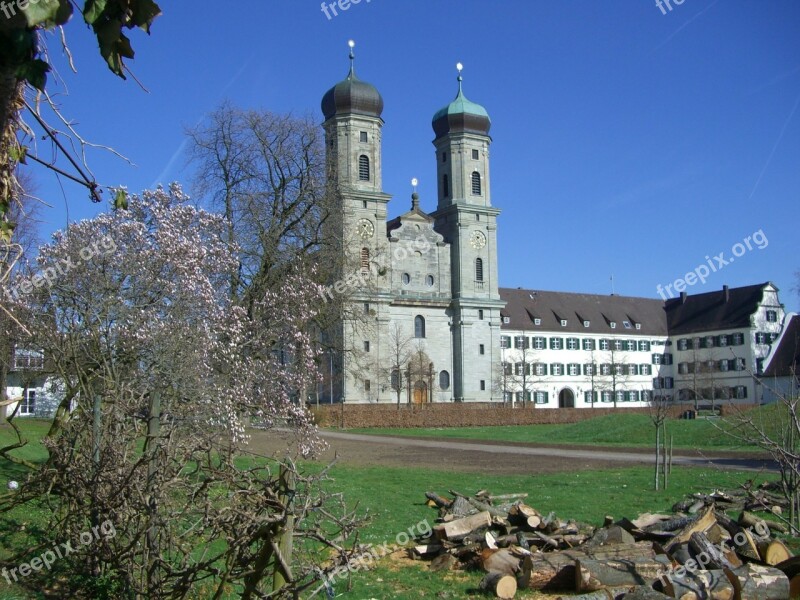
(626,141)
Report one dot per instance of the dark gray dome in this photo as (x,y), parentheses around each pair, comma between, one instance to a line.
(352,96)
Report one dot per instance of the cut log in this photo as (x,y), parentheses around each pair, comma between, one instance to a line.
(791,567)
(483,507)
(591,574)
(699,586)
(533,523)
(500,561)
(490,540)
(703,523)
(556,570)
(461,508)
(740,537)
(460,528)
(426,549)
(774,552)
(708,555)
(760,526)
(502,586)
(438,500)
(648,520)
(755,582)
(794,587)
(554,544)
(443,562)
(524,574)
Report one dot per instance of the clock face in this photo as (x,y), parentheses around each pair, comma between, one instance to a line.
(477,239)
(365,229)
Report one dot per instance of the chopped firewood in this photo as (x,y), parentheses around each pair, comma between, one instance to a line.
(460,528)
(756,581)
(643,592)
(761,526)
(606,594)
(591,574)
(443,562)
(500,561)
(647,519)
(774,552)
(556,570)
(438,500)
(714,558)
(699,585)
(502,586)
(426,549)
(611,535)
(702,524)
(491,542)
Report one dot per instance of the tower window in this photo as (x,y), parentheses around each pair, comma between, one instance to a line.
(445,185)
(363,168)
(444,157)
(429,280)
(406,278)
(476,183)
(364,204)
(478,269)
(364,137)
(365,259)
(419,326)
(475,155)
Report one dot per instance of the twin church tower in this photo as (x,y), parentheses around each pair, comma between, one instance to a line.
(425,324)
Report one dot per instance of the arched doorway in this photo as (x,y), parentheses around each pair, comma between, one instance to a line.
(420,392)
(566,399)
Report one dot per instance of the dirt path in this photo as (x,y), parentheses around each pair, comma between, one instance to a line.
(489,457)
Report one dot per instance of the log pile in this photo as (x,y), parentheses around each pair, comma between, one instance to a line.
(697,552)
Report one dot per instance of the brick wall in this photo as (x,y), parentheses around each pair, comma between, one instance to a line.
(461,415)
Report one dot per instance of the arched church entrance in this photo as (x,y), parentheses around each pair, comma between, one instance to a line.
(566,399)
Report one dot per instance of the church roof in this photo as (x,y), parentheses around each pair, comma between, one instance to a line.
(461,115)
(523,307)
(785,360)
(729,308)
(352,96)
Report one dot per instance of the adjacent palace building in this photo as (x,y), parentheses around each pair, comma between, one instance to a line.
(425,320)
(429,323)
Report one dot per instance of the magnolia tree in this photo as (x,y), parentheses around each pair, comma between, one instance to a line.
(162,374)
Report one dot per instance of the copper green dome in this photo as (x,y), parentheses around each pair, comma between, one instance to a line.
(352,96)
(461,115)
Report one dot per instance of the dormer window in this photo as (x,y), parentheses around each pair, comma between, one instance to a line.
(638,326)
(586,323)
(563,322)
(537,321)
(613,325)
(626,324)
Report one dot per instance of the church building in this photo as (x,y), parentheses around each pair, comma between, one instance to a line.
(426,321)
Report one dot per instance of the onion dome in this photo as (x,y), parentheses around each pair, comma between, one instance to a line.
(352,96)
(461,115)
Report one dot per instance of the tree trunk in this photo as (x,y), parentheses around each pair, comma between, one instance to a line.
(11,103)
(591,574)
(753,582)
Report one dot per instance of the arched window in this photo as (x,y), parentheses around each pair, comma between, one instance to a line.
(478,269)
(476,183)
(419,326)
(406,278)
(365,259)
(444,380)
(445,185)
(363,168)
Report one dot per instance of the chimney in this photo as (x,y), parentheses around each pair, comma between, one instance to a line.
(683,297)
(726,294)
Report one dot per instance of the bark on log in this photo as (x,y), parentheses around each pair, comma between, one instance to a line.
(502,586)
(709,555)
(759,525)
(438,500)
(699,586)
(460,528)
(556,570)
(443,562)
(703,523)
(500,561)
(591,574)
(616,593)
(644,593)
(754,582)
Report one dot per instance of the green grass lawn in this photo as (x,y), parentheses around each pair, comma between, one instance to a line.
(395,500)
(610,430)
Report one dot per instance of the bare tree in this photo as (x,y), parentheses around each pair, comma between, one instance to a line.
(612,371)
(400,346)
